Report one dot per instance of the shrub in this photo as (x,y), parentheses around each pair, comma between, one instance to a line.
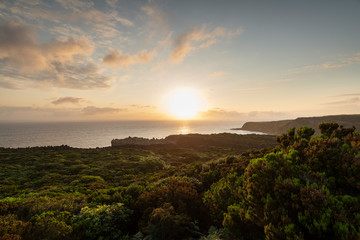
(106,222)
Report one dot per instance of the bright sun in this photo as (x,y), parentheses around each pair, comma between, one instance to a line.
(184,103)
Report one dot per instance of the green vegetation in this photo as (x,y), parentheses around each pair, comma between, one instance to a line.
(304,188)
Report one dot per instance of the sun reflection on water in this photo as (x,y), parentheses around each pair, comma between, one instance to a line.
(184,130)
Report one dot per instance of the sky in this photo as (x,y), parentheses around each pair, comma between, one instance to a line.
(77,60)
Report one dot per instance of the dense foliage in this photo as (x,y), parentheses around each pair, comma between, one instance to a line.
(304,188)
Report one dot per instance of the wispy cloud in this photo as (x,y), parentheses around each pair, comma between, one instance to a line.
(112,3)
(354,100)
(350,60)
(77,76)
(167,39)
(156,17)
(100,23)
(41,113)
(109,18)
(265,114)
(75,5)
(9,85)
(223,114)
(68,100)
(36,11)
(197,38)
(66,31)
(156,22)
(347,95)
(117,58)
(92,110)
(218,74)
(143,106)
(219,113)
(32,113)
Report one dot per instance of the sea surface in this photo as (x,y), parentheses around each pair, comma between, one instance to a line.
(100,134)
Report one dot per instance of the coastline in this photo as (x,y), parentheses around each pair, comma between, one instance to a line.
(99,134)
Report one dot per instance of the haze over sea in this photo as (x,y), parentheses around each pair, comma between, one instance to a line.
(100,134)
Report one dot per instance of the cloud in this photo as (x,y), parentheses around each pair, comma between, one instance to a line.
(19,48)
(198,38)
(348,95)
(40,113)
(101,23)
(64,63)
(218,74)
(112,3)
(85,10)
(80,75)
(350,99)
(143,106)
(75,5)
(167,40)
(265,114)
(31,10)
(350,60)
(117,58)
(67,100)
(106,18)
(9,85)
(92,110)
(31,113)
(354,100)
(219,113)
(156,17)
(222,114)
(6,110)
(65,17)
(66,31)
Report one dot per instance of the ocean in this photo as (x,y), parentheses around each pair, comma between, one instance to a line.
(100,134)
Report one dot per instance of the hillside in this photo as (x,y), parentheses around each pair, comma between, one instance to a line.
(197,189)
(201,141)
(279,127)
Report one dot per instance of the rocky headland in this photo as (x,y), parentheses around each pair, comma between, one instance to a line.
(279,127)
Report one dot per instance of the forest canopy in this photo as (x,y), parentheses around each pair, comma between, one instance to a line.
(306,187)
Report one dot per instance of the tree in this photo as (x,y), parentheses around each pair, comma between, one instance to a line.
(106,222)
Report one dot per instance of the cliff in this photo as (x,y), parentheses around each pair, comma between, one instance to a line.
(279,127)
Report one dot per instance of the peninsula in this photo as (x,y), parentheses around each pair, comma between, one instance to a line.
(279,127)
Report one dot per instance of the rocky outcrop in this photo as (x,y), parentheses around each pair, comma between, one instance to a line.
(279,127)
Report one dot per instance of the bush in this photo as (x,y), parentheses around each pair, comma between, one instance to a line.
(51,225)
(106,222)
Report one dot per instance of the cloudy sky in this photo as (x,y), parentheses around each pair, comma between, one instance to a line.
(78,60)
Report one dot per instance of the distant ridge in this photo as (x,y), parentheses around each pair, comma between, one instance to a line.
(200,141)
(279,127)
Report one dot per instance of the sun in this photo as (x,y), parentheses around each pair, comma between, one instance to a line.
(184,103)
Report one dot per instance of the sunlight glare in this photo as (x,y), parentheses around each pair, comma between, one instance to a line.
(184,103)
(184,130)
